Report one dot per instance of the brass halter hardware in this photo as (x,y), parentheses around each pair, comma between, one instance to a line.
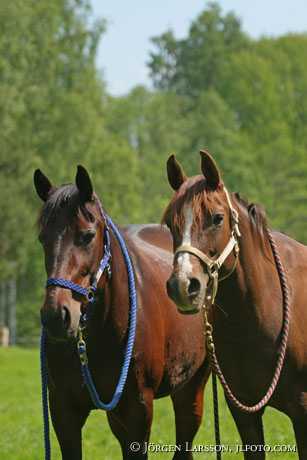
(213,265)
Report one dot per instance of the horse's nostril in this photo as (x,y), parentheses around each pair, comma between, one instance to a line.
(194,287)
(172,288)
(65,317)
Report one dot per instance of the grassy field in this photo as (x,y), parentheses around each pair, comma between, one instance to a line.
(21,419)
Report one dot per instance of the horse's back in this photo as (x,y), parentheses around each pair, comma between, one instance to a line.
(293,253)
(153,239)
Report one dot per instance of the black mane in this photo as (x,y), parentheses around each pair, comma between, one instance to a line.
(258,220)
(67,196)
(255,212)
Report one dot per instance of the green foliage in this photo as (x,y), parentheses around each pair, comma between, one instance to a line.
(196,62)
(246,102)
(153,126)
(52,112)
(243,99)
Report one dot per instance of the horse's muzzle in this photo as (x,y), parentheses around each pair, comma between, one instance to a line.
(185,293)
(58,322)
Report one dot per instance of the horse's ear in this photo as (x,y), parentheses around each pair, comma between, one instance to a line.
(84,184)
(210,170)
(175,173)
(42,185)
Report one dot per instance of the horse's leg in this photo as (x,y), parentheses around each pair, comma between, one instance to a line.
(131,425)
(300,430)
(67,423)
(188,407)
(250,428)
(299,421)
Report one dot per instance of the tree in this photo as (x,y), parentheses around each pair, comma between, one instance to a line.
(195,63)
(245,101)
(52,116)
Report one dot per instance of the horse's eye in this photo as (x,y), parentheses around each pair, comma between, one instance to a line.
(85,272)
(85,238)
(217,219)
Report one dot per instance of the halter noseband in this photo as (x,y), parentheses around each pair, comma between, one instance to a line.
(89,292)
(213,265)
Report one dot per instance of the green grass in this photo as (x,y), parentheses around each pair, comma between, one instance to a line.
(21,419)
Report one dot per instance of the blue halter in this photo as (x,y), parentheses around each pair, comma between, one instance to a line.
(88,293)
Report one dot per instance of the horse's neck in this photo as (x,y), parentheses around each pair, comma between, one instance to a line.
(247,296)
(116,293)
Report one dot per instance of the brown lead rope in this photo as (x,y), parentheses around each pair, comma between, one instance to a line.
(216,417)
(283,344)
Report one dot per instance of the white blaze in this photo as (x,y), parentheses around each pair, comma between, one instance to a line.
(184,259)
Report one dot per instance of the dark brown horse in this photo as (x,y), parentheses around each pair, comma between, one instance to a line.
(248,313)
(169,355)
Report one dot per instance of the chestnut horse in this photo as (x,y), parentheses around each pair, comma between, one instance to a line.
(247,317)
(168,356)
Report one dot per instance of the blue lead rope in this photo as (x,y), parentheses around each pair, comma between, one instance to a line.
(44,380)
(88,380)
(86,374)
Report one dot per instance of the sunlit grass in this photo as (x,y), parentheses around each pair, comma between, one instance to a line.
(21,419)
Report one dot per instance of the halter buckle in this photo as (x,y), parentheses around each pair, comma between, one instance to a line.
(213,283)
(82,348)
(213,269)
(90,294)
(109,271)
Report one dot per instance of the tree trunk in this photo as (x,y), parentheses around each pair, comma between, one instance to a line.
(12,290)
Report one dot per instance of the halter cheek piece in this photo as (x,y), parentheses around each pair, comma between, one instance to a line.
(213,265)
(89,292)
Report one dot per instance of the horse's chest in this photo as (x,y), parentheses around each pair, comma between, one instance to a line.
(179,369)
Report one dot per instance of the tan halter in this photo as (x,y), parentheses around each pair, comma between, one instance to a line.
(213,265)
